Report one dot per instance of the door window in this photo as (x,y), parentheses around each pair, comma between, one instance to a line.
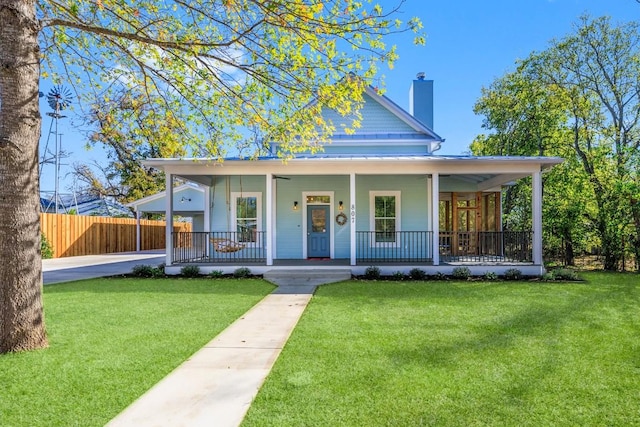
(318,220)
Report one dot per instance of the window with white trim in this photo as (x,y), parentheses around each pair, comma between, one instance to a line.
(385,217)
(247,216)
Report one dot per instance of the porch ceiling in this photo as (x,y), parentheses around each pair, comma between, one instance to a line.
(484,182)
(469,178)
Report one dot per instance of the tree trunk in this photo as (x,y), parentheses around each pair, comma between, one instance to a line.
(610,245)
(21,313)
(635,238)
(568,252)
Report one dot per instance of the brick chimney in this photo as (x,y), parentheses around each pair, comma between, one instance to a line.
(421,100)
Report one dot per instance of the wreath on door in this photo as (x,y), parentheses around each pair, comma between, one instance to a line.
(341,219)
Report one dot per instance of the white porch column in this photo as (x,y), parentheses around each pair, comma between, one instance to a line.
(207,219)
(138,237)
(270,182)
(169,218)
(435,216)
(536,207)
(352,218)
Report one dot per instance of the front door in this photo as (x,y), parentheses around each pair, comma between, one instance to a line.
(318,229)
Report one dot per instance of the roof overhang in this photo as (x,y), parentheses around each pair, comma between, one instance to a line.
(485,172)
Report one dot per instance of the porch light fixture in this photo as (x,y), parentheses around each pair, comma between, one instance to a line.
(295,206)
(340,205)
(184,199)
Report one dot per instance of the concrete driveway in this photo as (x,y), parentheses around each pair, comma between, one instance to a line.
(90,266)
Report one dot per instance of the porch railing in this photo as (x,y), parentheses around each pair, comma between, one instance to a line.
(219,247)
(486,246)
(399,246)
(371,247)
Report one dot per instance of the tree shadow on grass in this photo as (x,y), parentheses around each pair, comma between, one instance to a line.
(518,353)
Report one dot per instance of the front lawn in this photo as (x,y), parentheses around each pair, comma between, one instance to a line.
(461,354)
(110,341)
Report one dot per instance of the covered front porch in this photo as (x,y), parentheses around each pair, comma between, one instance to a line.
(397,213)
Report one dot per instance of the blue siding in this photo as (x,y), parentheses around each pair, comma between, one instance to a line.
(414,206)
(395,148)
(159,205)
(289,227)
(375,119)
(221,213)
(414,209)
(377,124)
(289,238)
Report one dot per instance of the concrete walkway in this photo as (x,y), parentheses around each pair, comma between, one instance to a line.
(216,386)
(91,266)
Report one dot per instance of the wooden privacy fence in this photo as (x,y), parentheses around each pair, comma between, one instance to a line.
(73,235)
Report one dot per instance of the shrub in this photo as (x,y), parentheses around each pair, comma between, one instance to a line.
(216,274)
(548,276)
(489,276)
(142,271)
(46,250)
(242,273)
(565,274)
(513,274)
(372,273)
(398,276)
(190,271)
(158,271)
(439,276)
(461,273)
(417,274)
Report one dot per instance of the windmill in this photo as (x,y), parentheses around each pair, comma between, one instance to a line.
(59,98)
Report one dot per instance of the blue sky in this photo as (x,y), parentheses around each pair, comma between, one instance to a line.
(470,43)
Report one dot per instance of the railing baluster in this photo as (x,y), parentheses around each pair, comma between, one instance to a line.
(409,246)
(486,246)
(218,247)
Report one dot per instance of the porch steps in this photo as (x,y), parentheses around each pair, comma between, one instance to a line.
(287,279)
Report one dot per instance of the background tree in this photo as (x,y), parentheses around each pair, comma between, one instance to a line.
(122,129)
(528,119)
(127,131)
(585,90)
(214,68)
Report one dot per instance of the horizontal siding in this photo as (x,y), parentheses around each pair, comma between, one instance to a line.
(390,149)
(221,213)
(159,205)
(414,209)
(289,222)
(377,123)
(375,118)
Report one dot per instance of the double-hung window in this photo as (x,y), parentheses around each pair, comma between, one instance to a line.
(247,216)
(385,217)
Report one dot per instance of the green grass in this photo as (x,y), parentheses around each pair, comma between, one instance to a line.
(110,341)
(461,354)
